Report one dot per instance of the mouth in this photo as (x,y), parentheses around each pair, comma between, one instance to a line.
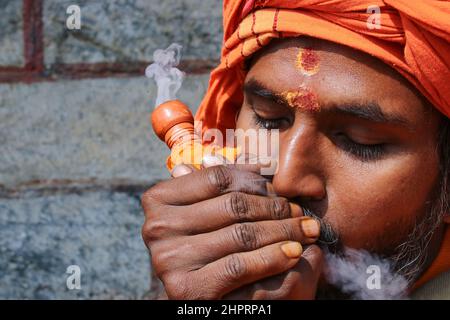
(329,238)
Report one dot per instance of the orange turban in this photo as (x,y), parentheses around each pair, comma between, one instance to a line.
(413,38)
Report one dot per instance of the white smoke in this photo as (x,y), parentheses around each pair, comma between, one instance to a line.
(364,276)
(163,69)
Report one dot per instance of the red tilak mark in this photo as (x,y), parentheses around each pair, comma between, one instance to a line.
(303,99)
(308,61)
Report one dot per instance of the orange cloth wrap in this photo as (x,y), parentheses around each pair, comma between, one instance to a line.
(414,39)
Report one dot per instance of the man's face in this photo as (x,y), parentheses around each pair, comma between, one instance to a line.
(357,143)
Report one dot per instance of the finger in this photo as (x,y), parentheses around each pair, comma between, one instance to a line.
(263,165)
(199,250)
(245,161)
(236,270)
(225,210)
(205,184)
(300,282)
(181,170)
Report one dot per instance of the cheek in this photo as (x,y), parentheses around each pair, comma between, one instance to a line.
(374,206)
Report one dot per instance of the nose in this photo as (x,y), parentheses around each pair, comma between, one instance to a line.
(300,167)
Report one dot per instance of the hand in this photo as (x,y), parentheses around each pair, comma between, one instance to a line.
(216,234)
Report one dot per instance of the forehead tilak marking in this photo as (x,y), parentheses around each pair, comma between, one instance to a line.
(307,61)
(302,98)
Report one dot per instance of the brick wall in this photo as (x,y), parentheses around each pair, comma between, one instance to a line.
(76,146)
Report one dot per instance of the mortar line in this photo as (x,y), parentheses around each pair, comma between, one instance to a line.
(40,188)
(33,35)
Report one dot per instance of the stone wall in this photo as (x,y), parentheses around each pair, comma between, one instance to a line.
(77,149)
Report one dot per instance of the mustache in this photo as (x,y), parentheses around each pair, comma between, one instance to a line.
(329,238)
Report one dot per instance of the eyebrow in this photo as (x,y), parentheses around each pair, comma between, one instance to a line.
(256,88)
(367,111)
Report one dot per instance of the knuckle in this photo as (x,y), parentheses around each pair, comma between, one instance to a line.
(245,236)
(260,294)
(288,231)
(179,287)
(164,258)
(280,208)
(175,286)
(154,229)
(157,262)
(149,198)
(238,205)
(146,199)
(235,267)
(285,290)
(265,261)
(219,178)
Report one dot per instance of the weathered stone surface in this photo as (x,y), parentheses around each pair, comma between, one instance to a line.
(98,231)
(131,30)
(11,36)
(84,129)
(91,133)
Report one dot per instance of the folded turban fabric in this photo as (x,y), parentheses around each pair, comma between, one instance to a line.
(413,38)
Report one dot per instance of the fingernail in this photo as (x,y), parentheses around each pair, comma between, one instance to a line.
(181,170)
(292,249)
(296,211)
(310,227)
(210,161)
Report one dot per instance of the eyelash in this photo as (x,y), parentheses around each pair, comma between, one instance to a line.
(364,152)
(268,124)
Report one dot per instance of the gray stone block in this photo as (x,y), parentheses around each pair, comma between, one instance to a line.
(98,231)
(11,36)
(84,129)
(131,30)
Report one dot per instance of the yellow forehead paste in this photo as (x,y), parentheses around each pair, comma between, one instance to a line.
(303,99)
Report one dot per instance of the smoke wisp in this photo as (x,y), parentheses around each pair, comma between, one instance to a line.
(364,276)
(163,70)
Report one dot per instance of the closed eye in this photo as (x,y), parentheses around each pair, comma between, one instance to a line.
(364,152)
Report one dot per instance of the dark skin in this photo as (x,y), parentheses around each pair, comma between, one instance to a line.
(369,174)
